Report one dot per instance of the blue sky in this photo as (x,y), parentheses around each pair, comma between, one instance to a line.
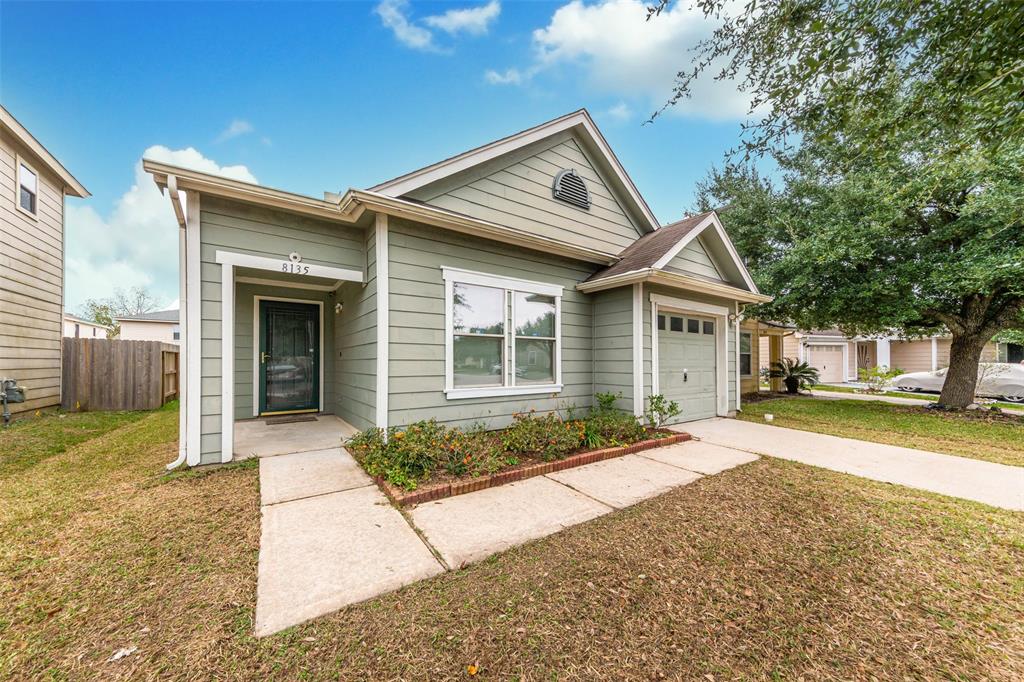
(326,96)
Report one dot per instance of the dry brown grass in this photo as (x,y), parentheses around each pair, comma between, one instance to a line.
(770,569)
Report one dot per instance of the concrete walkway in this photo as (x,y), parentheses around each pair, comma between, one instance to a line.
(996,484)
(330,538)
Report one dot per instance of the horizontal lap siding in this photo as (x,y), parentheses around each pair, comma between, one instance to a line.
(417,333)
(355,341)
(694,260)
(516,190)
(241,228)
(31,288)
(613,344)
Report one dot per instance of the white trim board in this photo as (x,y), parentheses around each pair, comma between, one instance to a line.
(285,265)
(721,314)
(256,346)
(383,319)
(638,349)
(193,339)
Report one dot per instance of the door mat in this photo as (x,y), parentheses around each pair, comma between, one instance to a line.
(289,419)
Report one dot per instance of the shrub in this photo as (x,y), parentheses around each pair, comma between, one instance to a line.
(404,457)
(660,410)
(877,378)
(611,426)
(546,437)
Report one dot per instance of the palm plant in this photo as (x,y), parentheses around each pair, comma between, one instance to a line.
(794,374)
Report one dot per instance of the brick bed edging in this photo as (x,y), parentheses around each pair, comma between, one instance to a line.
(406,498)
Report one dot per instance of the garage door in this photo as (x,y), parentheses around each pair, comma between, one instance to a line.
(686,364)
(829,362)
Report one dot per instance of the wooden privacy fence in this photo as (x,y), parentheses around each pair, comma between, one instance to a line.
(110,374)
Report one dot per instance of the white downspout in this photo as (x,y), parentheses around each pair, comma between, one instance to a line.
(172,189)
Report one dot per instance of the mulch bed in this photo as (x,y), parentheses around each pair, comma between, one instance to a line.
(459,486)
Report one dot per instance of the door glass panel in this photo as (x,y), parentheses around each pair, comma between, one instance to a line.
(709,327)
(693,326)
(676,323)
(661,322)
(291,344)
(535,361)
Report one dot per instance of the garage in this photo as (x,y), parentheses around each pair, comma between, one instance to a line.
(828,360)
(686,364)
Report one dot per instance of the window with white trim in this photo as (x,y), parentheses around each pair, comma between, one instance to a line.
(28,188)
(746,363)
(502,335)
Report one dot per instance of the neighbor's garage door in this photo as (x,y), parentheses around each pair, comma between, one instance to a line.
(829,362)
(686,362)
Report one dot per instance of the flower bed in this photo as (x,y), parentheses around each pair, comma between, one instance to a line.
(429,461)
(440,490)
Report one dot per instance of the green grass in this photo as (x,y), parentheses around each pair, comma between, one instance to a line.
(772,569)
(31,440)
(979,435)
(903,394)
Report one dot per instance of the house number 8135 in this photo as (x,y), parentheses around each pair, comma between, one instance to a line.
(294,268)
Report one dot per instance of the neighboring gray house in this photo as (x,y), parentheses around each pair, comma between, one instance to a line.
(156,325)
(524,274)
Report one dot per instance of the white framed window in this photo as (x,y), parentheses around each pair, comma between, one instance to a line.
(746,345)
(502,335)
(27,199)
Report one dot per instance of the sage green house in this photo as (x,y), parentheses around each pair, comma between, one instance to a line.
(526,274)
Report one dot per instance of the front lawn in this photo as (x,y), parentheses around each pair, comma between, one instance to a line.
(773,569)
(976,434)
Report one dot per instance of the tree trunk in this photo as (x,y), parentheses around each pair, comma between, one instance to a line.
(962,376)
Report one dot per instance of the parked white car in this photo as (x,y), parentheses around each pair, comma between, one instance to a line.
(995,379)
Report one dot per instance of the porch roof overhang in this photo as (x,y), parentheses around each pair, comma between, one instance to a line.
(350,207)
(675,280)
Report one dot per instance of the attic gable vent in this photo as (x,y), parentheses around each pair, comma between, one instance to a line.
(570,188)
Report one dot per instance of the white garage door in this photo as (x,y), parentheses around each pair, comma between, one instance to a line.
(829,362)
(686,362)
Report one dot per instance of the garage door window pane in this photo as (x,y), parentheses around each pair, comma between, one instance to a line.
(676,323)
(477,361)
(661,322)
(535,361)
(709,327)
(693,326)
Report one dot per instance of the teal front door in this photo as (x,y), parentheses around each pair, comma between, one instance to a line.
(289,357)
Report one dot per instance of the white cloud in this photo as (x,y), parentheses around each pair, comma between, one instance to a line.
(472,20)
(621,53)
(620,112)
(509,77)
(136,244)
(392,15)
(236,128)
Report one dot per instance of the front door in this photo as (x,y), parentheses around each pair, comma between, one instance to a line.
(686,364)
(289,357)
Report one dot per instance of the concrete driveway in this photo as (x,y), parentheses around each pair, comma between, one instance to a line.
(999,485)
(329,538)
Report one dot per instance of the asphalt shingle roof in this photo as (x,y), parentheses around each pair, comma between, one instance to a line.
(647,250)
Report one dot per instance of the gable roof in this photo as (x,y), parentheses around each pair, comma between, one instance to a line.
(76,318)
(579,121)
(649,249)
(20,133)
(154,316)
(654,251)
